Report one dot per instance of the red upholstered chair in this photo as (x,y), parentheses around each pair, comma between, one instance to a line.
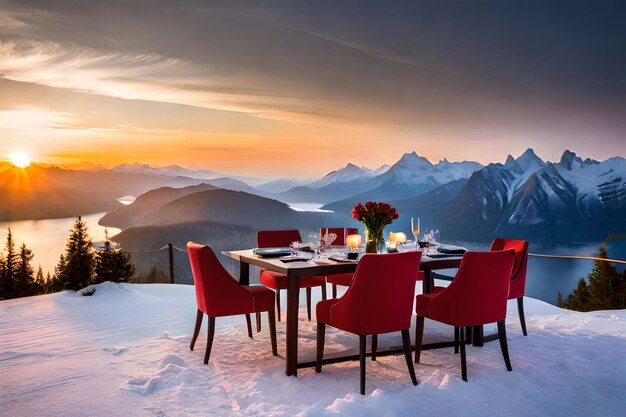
(477,295)
(518,276)
(218,294)
(339,279)
(380,300)
(277,281)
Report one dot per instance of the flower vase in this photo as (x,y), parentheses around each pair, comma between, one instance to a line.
(375,242)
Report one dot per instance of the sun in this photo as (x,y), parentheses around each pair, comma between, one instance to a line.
(20,159)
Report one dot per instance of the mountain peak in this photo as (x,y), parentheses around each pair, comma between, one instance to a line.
(510,161)
(414,159)
(529,160)
(570,160)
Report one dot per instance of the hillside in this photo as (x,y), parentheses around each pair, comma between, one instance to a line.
(38,192)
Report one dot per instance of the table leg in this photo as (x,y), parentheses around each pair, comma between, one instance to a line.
(244,273)
(293,304)
(428,281)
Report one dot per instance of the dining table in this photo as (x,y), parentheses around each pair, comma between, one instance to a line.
(323,267)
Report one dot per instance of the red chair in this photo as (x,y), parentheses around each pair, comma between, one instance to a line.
(218,294)
(339,279)
(379,300)
(518,276)
(278,281)
(477,295)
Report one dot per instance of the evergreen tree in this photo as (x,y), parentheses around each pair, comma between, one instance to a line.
(78,270)
(24,273)
(2,272)
(9,267)
(559,300)
(113,264)
(606,289)
(40,282)
(607,285)
(580,298)
(48,287)
(56,284)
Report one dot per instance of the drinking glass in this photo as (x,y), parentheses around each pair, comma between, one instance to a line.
(415,229)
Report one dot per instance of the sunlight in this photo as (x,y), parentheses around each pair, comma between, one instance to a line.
(20,159)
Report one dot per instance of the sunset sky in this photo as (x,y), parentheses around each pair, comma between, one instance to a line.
(295,89)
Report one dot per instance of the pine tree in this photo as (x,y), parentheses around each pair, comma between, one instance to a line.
(9,267)
(559,300)
(78,271)
(24,273)
(113,264)
(56,283)
(580,298)
(40,282)
(606,289)
(2,273)
(606,285)
(48,287)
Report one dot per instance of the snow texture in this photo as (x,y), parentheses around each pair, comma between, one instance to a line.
(125,351)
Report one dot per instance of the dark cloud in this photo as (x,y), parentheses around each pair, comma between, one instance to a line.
(541,67)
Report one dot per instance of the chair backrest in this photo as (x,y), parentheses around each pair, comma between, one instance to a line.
(479,292)
(217,292)
(380,299)
(340,232)
(518,275)
(277,238)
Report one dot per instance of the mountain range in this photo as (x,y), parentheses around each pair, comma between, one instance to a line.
(572,200)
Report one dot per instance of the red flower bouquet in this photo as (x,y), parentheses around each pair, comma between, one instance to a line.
(374,216)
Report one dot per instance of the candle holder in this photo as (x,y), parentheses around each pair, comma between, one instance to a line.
(353,242)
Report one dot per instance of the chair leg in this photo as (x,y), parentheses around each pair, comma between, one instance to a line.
(504,345)
(196,330)
(324,293)
(469,334)
(278,303)
(272,322)
(308,303)
(209,339)
(520,310)
(258,322)
(463,357)
(406,341)
(334,290)
(456,340)
(249,325)
(419,334)
(374,346)
(362,347)
(321,335)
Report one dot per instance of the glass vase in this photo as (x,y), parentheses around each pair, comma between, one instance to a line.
(375,242)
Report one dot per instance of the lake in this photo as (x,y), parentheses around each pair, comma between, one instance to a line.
(47,238)
(546,276)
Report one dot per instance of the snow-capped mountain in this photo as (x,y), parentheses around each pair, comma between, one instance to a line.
(528,162)
(348,173)
(572,200)
(411,176)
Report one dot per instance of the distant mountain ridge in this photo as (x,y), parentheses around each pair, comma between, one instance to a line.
(568,201)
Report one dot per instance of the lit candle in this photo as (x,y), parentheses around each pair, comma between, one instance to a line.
(353,241)
(392,240)
(400,237)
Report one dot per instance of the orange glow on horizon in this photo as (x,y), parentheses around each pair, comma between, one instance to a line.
(20,159)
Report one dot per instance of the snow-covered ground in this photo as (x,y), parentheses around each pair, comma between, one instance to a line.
(124,352)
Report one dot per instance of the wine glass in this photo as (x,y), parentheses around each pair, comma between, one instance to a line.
(415,229)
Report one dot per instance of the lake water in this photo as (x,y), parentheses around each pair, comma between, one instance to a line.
(47,238)
(546,277)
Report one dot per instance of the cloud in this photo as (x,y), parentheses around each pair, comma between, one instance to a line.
(152,77)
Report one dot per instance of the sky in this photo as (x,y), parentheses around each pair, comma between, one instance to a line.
(298,88)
